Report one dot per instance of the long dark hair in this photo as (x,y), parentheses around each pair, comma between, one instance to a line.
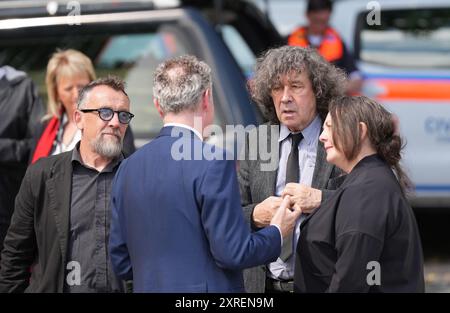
(347,112)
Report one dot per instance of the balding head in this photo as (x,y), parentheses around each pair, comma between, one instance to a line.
(179,83)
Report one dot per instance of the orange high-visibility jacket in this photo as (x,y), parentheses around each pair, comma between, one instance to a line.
(331,48)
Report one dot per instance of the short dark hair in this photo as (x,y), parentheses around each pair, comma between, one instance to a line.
(111,81)
(319,5)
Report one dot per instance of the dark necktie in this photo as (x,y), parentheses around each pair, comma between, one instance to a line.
(292,176)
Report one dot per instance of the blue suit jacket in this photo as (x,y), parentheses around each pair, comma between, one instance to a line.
(177,225)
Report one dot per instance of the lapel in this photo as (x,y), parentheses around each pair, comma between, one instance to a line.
(268,179)
(322,169)
(59,187)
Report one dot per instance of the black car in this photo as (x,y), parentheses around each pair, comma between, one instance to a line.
(130,39)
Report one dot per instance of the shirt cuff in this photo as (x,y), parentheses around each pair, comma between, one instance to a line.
(281,235)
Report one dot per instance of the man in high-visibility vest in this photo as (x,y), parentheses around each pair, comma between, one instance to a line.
(320,35)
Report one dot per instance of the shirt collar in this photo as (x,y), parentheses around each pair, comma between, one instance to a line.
(187,127)
(64,119)
(309,133)
(76,158)
(11,73)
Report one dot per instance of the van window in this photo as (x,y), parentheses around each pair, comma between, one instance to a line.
(418,38)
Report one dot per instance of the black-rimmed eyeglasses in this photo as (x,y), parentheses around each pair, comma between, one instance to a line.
(107,114)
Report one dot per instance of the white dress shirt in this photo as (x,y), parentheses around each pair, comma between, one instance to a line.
(307,151)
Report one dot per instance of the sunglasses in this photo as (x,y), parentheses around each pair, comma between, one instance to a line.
(106,114)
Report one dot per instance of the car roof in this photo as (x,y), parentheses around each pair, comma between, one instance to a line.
(24,8)
(345,12)
(389,4)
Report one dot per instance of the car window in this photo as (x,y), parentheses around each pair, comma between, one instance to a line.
(408,38)
(134,57)
(239,48)
(286,15)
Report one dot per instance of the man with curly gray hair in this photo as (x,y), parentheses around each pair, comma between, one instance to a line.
(293,87)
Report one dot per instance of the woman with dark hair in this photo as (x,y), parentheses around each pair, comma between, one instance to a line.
(364,238)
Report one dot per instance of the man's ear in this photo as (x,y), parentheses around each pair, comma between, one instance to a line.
(206,100)
(77,117)
(158,107)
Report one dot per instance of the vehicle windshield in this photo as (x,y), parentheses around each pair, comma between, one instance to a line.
(131,55)
(239,49)
(134,57)
(418,38)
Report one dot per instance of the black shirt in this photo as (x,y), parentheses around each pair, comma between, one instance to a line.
(88,266)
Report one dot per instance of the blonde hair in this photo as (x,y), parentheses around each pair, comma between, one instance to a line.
(64,63)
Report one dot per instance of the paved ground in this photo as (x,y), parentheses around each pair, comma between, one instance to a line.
(437,276)
(434,229)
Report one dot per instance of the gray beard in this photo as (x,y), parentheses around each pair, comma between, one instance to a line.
(107,148)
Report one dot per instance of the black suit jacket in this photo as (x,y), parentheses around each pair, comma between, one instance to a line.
(257,185)
(367,220)
(38,234)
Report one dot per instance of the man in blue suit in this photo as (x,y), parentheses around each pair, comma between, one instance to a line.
(177,222)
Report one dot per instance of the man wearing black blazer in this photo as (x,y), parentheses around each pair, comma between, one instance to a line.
(292,86)
(59,228)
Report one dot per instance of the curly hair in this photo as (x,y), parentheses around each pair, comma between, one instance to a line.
(327,80)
